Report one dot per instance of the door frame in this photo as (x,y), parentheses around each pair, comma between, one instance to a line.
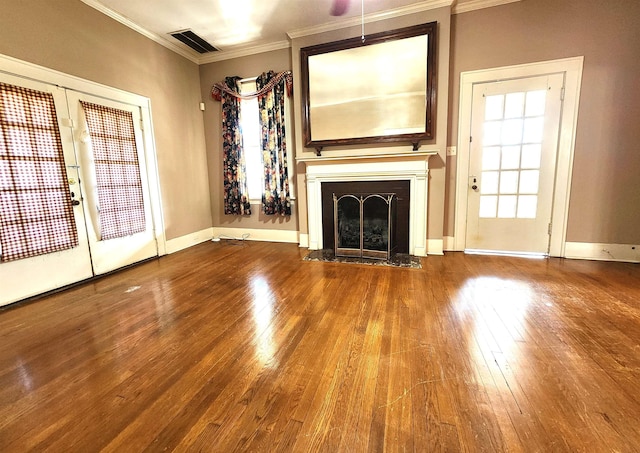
(572,70)
(31,71)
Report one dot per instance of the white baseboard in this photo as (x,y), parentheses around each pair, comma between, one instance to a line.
(252,234)
(304,240)
(602,252)
(435,247)
(184,242)
(449,244)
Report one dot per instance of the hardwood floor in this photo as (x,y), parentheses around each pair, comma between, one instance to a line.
(245,347)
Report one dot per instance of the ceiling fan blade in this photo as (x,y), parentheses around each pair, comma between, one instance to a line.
(339,7)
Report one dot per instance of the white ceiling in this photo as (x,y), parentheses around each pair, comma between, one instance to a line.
(242,27)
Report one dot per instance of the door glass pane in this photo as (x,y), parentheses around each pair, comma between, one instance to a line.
(28,175)
(491,158)
(116,158)
(510,157)
(489,182)
(533,129)
(531,155)
(507,206)
(19,141)
(35,204)
(488,206)
(529,181)
(494,106)
(492,133)
(536,101)
(5,174)
(51,177)
(512,132)
(527,206)
(514,107)
(508,182)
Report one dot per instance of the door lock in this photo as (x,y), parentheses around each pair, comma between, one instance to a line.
(74,202)
(474,186)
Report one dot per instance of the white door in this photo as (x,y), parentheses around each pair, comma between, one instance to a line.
(43,240)
(115,185)
(514,134)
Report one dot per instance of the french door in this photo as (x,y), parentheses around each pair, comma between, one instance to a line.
(56,225)
(40,173)
(115,185)
(514,130)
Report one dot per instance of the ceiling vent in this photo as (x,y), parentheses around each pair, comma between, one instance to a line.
(194,41)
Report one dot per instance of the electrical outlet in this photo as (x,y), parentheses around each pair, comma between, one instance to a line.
(451,150)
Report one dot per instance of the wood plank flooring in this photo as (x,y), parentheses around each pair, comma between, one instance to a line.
(243,346)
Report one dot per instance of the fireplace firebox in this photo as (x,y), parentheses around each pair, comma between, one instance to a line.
(399,233)
(364,224)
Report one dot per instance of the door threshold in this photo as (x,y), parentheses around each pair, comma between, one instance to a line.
(533,255)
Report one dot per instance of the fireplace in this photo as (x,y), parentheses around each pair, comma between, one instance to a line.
(328,174)
(399,235)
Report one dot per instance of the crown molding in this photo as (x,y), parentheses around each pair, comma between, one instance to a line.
(456,8)
(143,31)
(229,54)
(472,5)
(368,18)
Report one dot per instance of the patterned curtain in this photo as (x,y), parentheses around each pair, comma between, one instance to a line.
(276,199)
(236,200)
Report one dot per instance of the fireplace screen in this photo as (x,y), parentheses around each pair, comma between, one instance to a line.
(364,224)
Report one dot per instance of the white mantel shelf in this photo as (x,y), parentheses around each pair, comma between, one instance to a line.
(413,167)
(321,159)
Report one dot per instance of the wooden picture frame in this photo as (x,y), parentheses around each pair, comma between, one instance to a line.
(379,90)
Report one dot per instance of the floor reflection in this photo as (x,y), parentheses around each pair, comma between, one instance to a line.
(25,376)
(262,311)
(163,298)
(497,309)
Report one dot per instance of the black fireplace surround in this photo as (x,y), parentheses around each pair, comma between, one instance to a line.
(401,188)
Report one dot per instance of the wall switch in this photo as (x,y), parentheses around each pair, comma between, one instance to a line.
(452,150)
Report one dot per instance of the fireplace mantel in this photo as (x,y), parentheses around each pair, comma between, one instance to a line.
(413,167)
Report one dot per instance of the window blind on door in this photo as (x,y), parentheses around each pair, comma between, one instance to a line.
(117,169)
(36,215)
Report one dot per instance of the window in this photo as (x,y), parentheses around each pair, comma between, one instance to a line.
(252,142)
(511,156)
(119,186)
(250,123)
(37,215)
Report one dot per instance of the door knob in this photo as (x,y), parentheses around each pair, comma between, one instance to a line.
(474,187)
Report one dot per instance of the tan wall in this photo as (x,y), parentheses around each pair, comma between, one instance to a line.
(436,163)
(251,66)
(605,190)
(68,36)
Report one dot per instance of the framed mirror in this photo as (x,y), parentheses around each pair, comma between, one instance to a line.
(377,91)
